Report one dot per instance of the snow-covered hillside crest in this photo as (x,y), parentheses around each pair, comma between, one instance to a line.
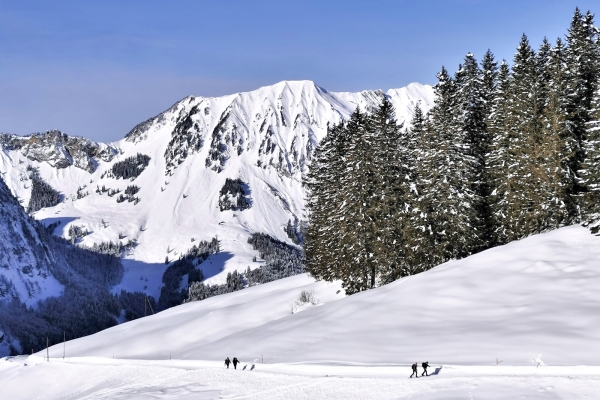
(265,138)
(513,302)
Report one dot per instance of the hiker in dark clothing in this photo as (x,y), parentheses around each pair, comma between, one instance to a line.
(425,365)
(235,362)
(415,373)
(227,362)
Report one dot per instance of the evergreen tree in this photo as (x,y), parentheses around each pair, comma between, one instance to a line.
(418,239)
(498,160)
(582,58)
(489,70)
(557,146)
(324,257)
(391,193)
(519,200)
(589,172)
(360,206)
(471,111)
(450,171)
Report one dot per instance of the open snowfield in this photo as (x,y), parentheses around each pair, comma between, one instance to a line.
(100,378)
(535,299)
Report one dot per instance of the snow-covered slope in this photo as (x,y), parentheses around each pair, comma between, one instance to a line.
(265,137)
(537,296)
(25,262)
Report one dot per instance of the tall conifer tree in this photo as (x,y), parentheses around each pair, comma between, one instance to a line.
(447,185)
(582,79)
(499,165)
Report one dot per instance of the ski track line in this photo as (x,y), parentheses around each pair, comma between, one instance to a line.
(294,386)
(128,385)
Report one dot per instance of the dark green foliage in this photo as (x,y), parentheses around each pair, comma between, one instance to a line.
(116,249)
(294,231)
(504,153)
(582,74)
(136,304)
(281,261)
(85,307)
(42,194)
(76,232)
(170,295)
(199,291)
(129,168)
(132,189)
(80,193)
(129,194)
(233,196)
(51,227)
(357,190)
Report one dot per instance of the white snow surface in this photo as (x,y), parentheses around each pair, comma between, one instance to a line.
(265,137)
(527,302)
(513,302)
(95,378)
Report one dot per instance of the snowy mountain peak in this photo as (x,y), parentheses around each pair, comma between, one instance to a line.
(279,125)
(160,186)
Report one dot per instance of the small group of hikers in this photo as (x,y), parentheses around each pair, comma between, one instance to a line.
(235,362)
(425,365)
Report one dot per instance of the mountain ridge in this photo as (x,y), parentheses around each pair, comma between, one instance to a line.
(265,138)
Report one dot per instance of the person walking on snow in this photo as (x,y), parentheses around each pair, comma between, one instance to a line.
(227,362)
(235,362)
(425,365)
(414,369)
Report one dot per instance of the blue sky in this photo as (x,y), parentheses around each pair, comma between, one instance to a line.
(97,68)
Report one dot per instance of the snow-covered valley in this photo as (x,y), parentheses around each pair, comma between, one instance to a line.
(530,306)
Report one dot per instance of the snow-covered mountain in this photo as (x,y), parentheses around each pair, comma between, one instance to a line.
(181,161)
(47,285)
(25,260)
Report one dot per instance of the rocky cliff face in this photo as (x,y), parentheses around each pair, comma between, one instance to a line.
(25,260)
(59,150)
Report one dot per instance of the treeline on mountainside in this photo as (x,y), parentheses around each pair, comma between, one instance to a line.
(85,307)
(129,168)
(281,261)
(504,153)
(233,196)
(42,194)
(170,294)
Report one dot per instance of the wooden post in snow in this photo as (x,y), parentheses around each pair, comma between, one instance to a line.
(150,305)
(47,351)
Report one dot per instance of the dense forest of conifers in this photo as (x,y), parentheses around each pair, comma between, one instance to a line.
(505,152)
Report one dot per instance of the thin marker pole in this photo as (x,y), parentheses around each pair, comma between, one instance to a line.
(64,343)
(47,351)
